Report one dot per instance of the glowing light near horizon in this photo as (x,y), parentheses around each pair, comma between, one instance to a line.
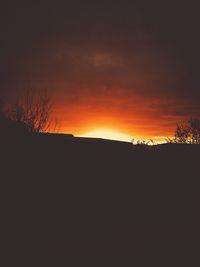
(108,134)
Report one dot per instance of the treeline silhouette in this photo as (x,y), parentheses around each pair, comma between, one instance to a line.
(74,198)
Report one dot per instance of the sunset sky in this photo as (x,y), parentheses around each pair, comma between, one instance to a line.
(128,69)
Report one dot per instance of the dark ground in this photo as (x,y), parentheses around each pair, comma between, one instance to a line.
(82,200)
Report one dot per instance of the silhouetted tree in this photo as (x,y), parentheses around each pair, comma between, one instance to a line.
(188,133)
(32,113)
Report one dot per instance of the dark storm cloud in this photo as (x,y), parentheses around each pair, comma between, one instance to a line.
(149,47)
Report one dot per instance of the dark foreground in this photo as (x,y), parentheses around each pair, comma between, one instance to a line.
(73,202)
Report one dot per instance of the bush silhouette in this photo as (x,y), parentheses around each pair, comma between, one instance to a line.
(188,132)
(30,115)
(33,113)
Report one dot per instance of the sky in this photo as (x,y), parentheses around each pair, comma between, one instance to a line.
(126,67)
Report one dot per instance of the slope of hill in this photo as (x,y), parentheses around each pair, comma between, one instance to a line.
(66,196)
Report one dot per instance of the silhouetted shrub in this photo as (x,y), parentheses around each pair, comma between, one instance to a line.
(32,113)
(188,132)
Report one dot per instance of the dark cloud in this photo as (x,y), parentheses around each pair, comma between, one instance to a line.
(100,48)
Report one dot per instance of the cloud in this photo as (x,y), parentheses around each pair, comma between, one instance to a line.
(136,58)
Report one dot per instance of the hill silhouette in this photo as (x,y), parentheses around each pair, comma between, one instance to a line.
(73,197)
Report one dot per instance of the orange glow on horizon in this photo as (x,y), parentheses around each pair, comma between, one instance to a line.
(120,118)
(106,133)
